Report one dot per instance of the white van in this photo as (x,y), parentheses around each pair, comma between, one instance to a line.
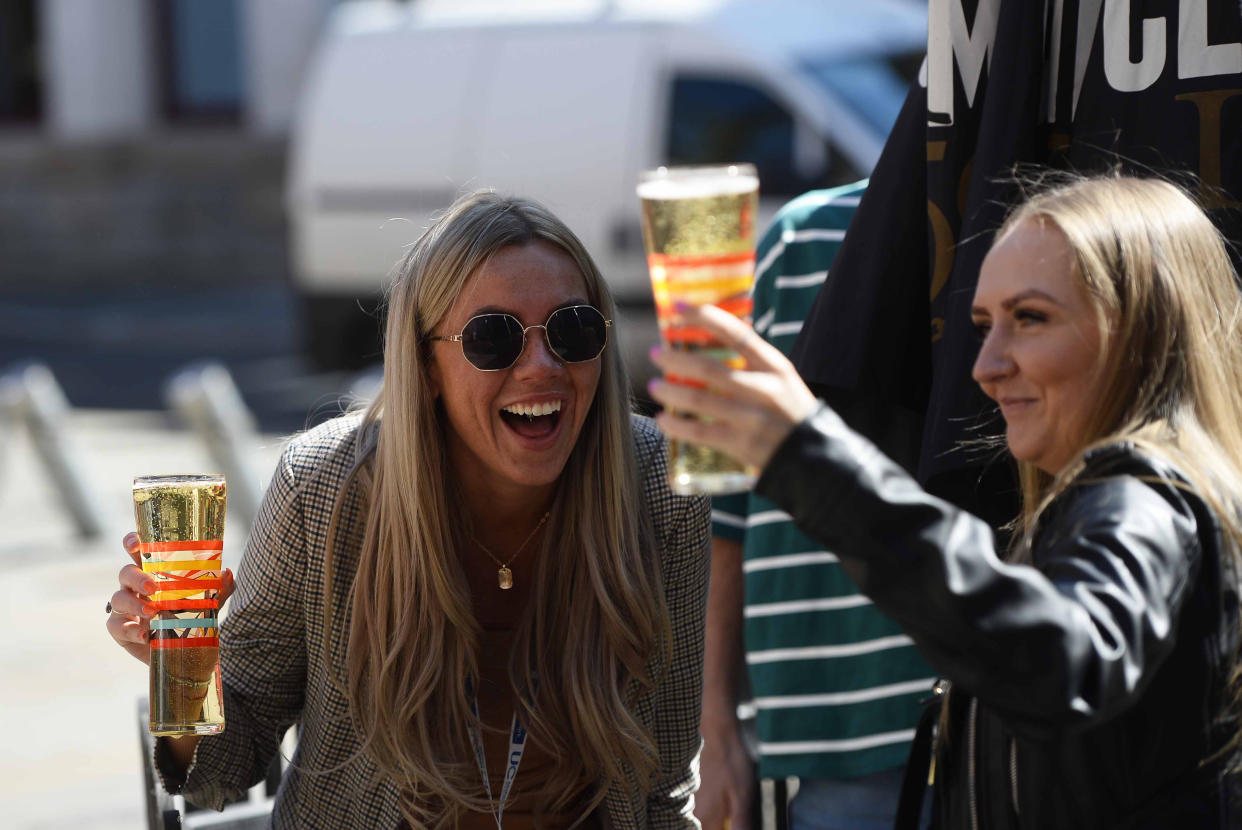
(565,101)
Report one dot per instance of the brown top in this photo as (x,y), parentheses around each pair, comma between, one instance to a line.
(496,700)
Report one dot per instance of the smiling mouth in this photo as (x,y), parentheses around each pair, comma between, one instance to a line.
(1015,405)
(537,420)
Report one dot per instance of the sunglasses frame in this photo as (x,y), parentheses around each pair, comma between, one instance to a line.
(460,337)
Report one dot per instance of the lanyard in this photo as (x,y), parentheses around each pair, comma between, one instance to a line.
(517,745)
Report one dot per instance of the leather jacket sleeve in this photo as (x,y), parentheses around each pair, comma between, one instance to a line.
(1064,643)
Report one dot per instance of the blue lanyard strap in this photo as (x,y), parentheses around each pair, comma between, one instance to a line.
(517,746)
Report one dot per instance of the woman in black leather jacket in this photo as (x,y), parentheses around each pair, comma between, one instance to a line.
(1094,666)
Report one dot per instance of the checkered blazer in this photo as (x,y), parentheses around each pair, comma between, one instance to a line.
(276,673)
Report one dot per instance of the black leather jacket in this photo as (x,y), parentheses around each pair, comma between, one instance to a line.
(1089,688)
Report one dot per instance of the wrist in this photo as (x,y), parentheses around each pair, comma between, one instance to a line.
(719,722)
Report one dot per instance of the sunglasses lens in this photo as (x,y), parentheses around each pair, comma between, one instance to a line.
(578,333)
(492,341)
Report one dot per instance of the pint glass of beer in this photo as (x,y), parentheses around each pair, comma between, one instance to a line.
(699,229)
(181,543)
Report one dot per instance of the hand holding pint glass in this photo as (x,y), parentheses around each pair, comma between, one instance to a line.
(699,230)
(180,545)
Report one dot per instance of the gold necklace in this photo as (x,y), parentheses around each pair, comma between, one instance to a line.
(504,576)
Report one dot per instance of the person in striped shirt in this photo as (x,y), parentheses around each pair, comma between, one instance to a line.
(836,685)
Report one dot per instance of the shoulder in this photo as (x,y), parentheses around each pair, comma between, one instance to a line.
(818,208)
(829,209)
(1122,488)
(669,511)
(794,258)
(328,451)
(1123,464)
(1124,467)
(648,440)
(313,472)
(1122,458)
(649,451)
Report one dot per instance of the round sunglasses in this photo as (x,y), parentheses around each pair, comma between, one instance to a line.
(495,341)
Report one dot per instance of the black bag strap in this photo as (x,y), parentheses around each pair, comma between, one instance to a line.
(918,765)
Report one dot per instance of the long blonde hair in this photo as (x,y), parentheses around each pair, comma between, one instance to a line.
(597,628)
(1159,278)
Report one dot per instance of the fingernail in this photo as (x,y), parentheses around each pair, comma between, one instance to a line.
(681,305)
(148,588)
(149,610)
(652,385)
(654,352)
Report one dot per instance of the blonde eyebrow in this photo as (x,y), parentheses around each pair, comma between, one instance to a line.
(1029,294)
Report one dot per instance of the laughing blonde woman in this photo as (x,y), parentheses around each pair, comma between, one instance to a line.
(489,551)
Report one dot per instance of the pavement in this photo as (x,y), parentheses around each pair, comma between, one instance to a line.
(69,751)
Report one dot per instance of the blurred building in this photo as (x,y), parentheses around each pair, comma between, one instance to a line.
(145,139)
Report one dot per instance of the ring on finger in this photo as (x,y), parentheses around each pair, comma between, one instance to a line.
(112,610)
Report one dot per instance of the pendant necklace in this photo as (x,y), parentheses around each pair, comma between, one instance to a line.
(504,576)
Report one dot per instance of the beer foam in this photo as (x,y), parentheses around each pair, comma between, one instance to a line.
(697,183)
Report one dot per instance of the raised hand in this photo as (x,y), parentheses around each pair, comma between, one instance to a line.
(749,411)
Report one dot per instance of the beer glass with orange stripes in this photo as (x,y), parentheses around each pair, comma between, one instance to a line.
(699,230)
(181,543)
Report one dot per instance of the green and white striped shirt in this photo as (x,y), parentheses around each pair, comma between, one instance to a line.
(836,684)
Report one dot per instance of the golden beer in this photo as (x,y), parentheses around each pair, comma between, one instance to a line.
(699,231)
(181,545)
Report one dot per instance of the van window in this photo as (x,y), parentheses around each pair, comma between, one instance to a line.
(875,87)
(715,120)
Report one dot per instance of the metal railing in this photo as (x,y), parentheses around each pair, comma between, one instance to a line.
(31,397)
(203,396)
(207,400)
